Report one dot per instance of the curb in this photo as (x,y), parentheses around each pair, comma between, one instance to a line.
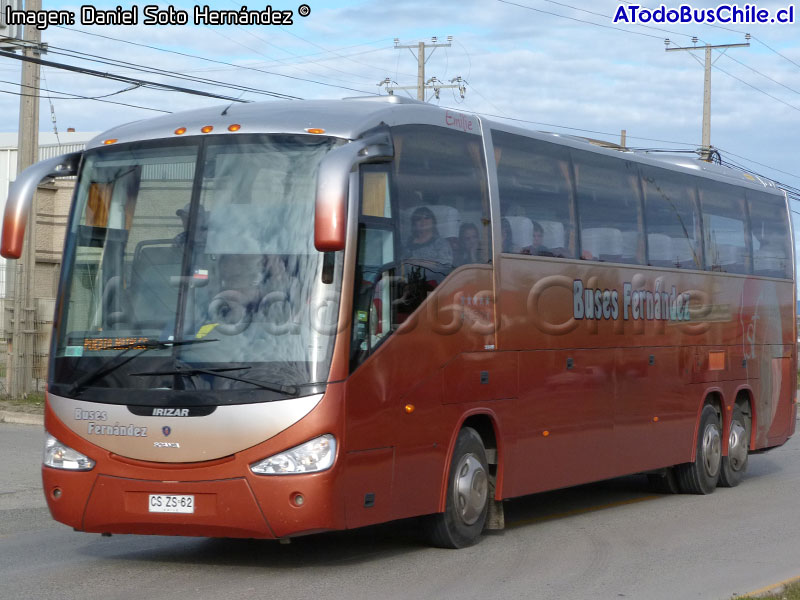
(775,588)
(21,418)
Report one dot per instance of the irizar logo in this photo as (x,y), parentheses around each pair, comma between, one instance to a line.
(170,412)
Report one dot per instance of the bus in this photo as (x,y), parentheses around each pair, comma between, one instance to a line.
(283,318)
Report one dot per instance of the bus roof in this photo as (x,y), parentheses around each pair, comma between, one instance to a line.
(349,118)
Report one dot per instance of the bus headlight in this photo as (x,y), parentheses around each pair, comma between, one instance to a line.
(61,456)
(312,457)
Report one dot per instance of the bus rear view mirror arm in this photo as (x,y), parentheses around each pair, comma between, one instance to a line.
(333,182)
(20,196)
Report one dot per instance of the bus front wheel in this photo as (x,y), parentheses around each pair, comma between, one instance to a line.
(462,521)
(702,475)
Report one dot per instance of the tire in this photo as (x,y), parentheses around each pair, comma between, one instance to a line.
(734,465)
(463,519)
(702,475)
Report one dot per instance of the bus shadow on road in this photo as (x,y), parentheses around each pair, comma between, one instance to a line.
(606,495)
(356,546)
(381,542)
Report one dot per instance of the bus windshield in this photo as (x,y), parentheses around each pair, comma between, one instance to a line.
(196,240)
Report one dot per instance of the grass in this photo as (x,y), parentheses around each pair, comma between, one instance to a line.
(790,591)
(32,403)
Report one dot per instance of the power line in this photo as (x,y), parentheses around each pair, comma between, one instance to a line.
(212,60)
(648,35)
(612,135)
(759,164)
(123,78)
(610,17)
(281,62)
(716,26)
(792,106)
(238,43)
(547,12)
(163,72)
(286,50)
(71,96)
(762,74)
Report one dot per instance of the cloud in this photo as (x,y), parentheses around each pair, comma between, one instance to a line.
(568,69)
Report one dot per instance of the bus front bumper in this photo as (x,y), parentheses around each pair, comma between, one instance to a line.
(240,507)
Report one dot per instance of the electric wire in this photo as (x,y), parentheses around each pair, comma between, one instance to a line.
(579,129)
(84,71)
(219,62)
(77,97)
(648,35)
(163,72)
(547,12)
(259,52)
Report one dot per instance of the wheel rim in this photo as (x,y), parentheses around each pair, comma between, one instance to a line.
(470,489)
(737,445)
(712,450)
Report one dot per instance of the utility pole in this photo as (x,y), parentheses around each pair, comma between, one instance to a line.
(431,84)
(20,367)
(706,150)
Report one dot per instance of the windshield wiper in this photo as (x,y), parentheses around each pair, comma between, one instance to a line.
(186,370)
(120,359)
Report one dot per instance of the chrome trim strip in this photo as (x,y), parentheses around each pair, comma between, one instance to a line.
(229,429)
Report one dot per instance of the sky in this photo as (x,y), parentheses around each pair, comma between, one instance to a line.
(552,66)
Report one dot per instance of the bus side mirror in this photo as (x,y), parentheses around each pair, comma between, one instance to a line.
(333,184)
(20,196)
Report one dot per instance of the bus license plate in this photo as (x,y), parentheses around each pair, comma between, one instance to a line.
(166,503)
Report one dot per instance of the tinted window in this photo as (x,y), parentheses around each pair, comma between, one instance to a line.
(608,208)
(536,199)
(671,215)
(420,217)
(443,200)
(724,227)
(769,227)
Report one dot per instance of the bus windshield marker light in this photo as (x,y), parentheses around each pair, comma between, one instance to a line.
(312,457)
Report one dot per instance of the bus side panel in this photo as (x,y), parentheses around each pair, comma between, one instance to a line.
(395,397)
(781,399)
(767,338)
(654,414)
(565,420)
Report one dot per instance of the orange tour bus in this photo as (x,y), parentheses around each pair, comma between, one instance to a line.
(290,317)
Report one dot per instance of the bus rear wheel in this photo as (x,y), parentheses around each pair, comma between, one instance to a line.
(702,475)
(463,519)
(735,464)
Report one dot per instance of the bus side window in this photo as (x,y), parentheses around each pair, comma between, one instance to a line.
(536,196)
(772,253)
(671,214)
(443,201)
(374,281)
(727,249)
(609,208)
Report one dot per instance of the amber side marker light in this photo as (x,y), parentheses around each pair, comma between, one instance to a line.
(207,129)
(109,141)
(234,127)
(545,433)
(315,130)
(409,408)
(180,131)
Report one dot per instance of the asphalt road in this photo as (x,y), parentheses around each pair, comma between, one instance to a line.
(609,540)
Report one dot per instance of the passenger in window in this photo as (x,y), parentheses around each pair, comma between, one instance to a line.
(425,247)
(468,245)
(507,237)
(202,226)
(537,248)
